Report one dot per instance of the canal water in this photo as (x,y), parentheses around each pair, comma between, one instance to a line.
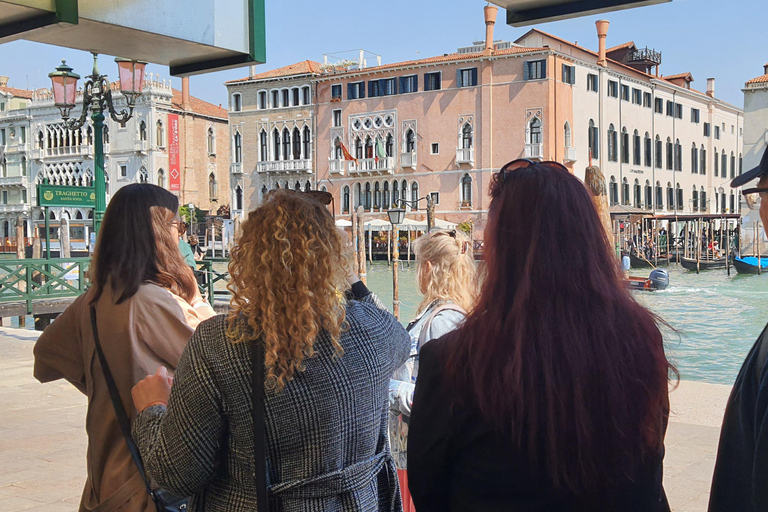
(717,317)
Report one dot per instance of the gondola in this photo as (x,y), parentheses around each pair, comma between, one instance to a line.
(748,264)
(690,263)
(639,262)
(657,280)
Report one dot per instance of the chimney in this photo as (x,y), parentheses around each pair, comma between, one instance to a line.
(185,93)
(602,32)
(765,71)
(3,81)
(252,70)
(490,20)
(711,87)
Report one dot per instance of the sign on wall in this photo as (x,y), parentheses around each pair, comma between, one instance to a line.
(173,152)
(80,197)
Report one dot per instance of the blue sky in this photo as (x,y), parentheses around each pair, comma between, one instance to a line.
(709,38)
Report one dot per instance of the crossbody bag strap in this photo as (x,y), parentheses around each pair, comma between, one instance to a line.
(114,395)
(259,427)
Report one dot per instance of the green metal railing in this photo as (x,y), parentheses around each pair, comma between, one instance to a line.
(30,280)
(215,282)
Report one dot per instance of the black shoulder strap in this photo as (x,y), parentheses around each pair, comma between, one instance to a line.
(259,428)
(762,353)
(122,417)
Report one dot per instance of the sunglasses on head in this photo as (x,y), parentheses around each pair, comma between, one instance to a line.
(518,164)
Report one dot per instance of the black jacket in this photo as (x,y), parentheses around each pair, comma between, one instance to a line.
(740,482)
(457,463)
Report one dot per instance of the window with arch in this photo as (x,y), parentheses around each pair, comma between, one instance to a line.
(369,147)
(415,195)
(625,199)
(296,143)
(404,190)
(658,152)
(678,155)
(613,191)
(285,100)
(695,198)
(23,165)
(237,102)
(670,197)
(263,148)
(638,194)
(367,200)
(385,202)
(213,186)
(161,178)
(286,144)
(297,188)
(337,153)
(703,160)
(669,154)
(275,145)
(659,196)
(376,195)
(211,141)
(722,200)
(308,187)
(358,195)
(717,164)
(680,198)
(648,195)
(466,136)
(306,140)
(694,159)
(612,139)
(143,175)
(238,197)
(305,95)
(703,200)
(237,148)
(358,148)
(106,133)
(733,165)
(466,190)
(275,99)
(410,141)
(624,145)
(142,130)
(567,135)
(295,97)
(88,136)
(389,147)
(40,140)
(724,164)
(159,134)
(648,150)
(594,139)
(534,131)
(345,199)
(263,100)
(636,149)
(395,193)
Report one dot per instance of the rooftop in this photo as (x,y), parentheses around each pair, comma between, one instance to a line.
(199,106)
(628,44)
(759,80)
(305,67)
(19,93)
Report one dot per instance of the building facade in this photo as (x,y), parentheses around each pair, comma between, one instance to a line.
(271,130)
(755,119)
(39,148)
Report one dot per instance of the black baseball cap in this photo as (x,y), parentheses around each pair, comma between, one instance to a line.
(752,174)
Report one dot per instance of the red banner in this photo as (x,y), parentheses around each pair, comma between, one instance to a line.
(173,152)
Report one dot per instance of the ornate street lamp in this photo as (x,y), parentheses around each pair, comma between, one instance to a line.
(97,94)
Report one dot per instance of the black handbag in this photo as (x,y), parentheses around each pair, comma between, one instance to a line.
(259,427)
(164,500)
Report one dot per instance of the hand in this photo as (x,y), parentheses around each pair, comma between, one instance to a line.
(152,389)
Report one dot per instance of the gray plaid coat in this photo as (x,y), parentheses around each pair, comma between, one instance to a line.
(326,430)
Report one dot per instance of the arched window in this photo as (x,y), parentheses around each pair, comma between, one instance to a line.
(88,136)
(295,97)
(733,165)
(404,190)
(213,187)
(286,144)
(415,195)
(612,152)
(534,131)
(376,195)
(238,148)
(275,99)
(337,153)
(285,100)
(305,95)
(669,154)
(161,178)
(345,200)
(211,141)
(297,187)
(306,141)
(466,190)
(263,193)
(390,145)
(680,198)
(367,203)
(143,175)
(723,164)
(385,203)
(636,149)
(695,198)
(23,165)
(658,152)
(466,136)
(613,191)
(40,140)
(410,141)
(625,192)
(358,195)
(624,145)
(694,159)
(659,196)
(670,197)
(296,142)
(703,166)
(594,139)
(275,145)
(237,102)
(159,134)
(308,187)
(142,130)
(703,200)
(678,155)
(238,197)
(648,195)
(648,150)
(263,146)
(395,193)
(106,134)
(567,135)
(358,148)
(368,147)
(717,164)
(638,194)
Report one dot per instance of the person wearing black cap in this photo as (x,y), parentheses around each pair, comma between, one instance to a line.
(740,481)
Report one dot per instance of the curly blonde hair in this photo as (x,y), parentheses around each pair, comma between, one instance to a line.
(288,278)
(452,275)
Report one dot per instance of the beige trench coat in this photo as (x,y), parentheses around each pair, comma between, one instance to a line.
(146,331)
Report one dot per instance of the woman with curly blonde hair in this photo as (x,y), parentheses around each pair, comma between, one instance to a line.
(330,347)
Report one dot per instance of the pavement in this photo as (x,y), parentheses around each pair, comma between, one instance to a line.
(43,443)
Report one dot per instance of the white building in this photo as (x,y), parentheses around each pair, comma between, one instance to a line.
(755,119)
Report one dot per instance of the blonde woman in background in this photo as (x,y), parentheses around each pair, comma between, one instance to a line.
(447,279)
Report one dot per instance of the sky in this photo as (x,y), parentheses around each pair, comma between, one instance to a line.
(709,38)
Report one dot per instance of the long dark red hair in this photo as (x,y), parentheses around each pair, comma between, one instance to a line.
(557,352)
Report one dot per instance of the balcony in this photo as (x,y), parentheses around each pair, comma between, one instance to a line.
(13,208)
(534,151)
(570,154)
(377,165)
(465,156)
(408,159)
(14,181)
(286,166)
(140,146)
(84,150)
(236,168)
(337,166)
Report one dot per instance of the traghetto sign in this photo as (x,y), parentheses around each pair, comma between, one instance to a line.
(51,195)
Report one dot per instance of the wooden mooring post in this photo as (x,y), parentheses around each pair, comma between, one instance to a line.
(361,273)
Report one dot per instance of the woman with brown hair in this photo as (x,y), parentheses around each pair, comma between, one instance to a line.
(327,362)
(553,393)
(147,305)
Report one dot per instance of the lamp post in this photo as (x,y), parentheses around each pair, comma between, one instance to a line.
(97,94)
(396,216)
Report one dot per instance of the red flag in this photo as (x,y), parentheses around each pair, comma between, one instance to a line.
(347,156)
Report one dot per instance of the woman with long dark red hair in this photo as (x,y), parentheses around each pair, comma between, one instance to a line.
(552,396)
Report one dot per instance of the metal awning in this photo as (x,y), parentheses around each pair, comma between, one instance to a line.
(521,13)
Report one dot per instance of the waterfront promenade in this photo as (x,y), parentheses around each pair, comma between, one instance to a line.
(42,437)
